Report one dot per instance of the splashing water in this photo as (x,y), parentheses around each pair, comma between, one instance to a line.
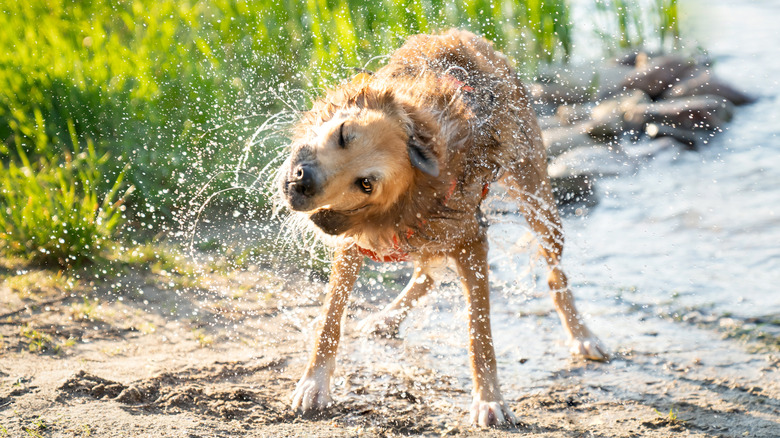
(659,241)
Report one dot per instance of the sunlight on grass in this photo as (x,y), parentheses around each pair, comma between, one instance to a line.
(165,94)
(54,211)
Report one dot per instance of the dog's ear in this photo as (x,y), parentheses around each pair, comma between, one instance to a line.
(422,157)
(420,145)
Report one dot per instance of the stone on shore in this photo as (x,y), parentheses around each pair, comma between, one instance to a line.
(705,83)
(574,189)
(608,117)
(694,112)
(551,93)
(683,136)
(571,114)
(649,149)
(564,138)
(593,161)
(658,74)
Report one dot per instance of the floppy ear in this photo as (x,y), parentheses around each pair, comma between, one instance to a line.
(420,146)
(421,157)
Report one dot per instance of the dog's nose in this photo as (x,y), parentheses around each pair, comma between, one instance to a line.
(304,181)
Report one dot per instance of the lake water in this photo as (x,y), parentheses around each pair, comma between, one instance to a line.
(706,225)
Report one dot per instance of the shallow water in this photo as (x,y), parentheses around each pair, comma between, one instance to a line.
(704,225)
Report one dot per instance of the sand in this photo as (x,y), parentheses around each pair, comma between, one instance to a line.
(217,354)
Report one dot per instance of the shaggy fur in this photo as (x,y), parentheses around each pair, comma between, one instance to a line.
(395,165)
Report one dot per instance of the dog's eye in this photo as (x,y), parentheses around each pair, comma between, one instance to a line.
(365,185)
(342,140)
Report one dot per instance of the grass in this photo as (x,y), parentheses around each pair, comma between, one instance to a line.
(202,338)
(97,97)
(624,24)
(87,310)
(39,342)
(85,430)
(56,210)
(38,284)
(671,418)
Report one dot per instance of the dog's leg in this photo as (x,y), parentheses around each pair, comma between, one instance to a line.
(313,391)
(488,407)
(386,322)
(537,204)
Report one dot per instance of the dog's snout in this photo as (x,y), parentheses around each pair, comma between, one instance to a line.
(304,181)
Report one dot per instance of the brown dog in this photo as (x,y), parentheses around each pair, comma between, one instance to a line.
(396,165)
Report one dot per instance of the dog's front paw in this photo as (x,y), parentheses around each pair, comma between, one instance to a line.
(491,413)
(311,395)
(589,348)
(382,324)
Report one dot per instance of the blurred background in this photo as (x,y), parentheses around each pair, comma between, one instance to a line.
(101,96)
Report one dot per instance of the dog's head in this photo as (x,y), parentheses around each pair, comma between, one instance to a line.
(354,155)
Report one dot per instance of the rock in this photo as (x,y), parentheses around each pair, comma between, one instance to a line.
(662,131)
(561,139)
(130,395)
(573,189)
(658,74)
(648,149)
(547,122)
(570,114)
(704,83)
(607,118)
(633,58)
(695,112)
(593,162)
(554,93)
(572,174)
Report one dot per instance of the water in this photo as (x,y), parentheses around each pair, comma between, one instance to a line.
(704,226)
(690,230)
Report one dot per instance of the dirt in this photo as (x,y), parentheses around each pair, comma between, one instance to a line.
(155,353)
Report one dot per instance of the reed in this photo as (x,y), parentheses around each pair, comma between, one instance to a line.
(623,24)
(57,211)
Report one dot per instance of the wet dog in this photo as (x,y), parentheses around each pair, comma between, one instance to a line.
(395,166)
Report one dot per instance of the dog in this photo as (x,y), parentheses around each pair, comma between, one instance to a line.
(394,166)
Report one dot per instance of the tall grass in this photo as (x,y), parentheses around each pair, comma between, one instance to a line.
(623,24)
(56,211)
(174,89)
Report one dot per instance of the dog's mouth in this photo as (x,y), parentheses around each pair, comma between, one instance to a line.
(334,222)
(330,221)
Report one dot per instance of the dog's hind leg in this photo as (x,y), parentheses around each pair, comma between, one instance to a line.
(531,186)
(488,407)
(312,393)
(386,322)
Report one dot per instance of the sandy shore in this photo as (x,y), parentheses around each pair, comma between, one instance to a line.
(154,356)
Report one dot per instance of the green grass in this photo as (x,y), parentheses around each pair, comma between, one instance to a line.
(165,95)
(624,24)
(672,417)
(58,210)
(38,342)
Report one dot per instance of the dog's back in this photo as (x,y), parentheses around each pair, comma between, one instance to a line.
(460,68)
(397,166)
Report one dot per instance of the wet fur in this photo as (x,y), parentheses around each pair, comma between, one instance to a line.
(455,104)
(474,136)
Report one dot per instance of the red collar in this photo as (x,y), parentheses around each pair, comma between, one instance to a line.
(460,85)
(396,253)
